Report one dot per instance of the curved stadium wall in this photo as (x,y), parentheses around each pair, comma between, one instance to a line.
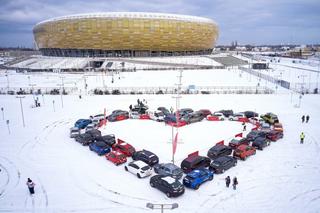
(125,35)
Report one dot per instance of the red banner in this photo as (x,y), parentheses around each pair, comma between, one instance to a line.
(120,141)
(193,154)
(174,143)
(220,143)
(238,135)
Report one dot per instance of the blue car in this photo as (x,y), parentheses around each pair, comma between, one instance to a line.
(82,123)
(100,147)
(170,118)
(198,176)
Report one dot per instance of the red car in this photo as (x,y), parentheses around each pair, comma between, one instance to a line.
(274,135)
(116,157)
(205,112)
(244,151)
(124,148)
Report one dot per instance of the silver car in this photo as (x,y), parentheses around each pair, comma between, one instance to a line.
(74,131)
(168,169)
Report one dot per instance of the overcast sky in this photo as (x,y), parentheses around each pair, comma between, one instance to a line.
(245,21)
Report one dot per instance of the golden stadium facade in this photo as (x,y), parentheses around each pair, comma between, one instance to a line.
(125,34)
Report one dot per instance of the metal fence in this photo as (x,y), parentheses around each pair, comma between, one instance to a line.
(38,90)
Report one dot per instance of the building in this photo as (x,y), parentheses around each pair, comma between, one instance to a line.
(125,34)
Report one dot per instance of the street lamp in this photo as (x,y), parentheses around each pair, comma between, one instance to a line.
(20,97)
(162,206)
(8,85)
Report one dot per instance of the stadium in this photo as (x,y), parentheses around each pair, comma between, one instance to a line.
(125,34)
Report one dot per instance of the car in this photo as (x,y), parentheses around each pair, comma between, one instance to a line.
(194,162)
(124,147)
(156,115)
(74,131)
(250,114)
(134,115)
(82,123)
(260,143)
(164,110)
(108,139)
(270,118)
(116,157)
(85,138)
(118,115)
(219,150)
(139,168)
(237,141)
(237,116)
(170,186)
(98,117)
(171,120)
(253,134)
(193,117)
(223,163)
(100,147)
(274,135)
(184,111)
(227,113)
(244,151)
(205,112)
(220,116)
(91,126)
(168,169)
(264,126)
(146,156)
(141,108)
(95,133)
(197,177)
(98,122)
(278,127)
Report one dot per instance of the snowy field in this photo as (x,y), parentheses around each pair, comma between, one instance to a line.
(69,178)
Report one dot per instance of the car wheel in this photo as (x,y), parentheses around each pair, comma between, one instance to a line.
(126,168)
(138,175)
(151,184)
(211,178)
(235,163)
(168,194)
(222,171)
(245,158)
(196,186)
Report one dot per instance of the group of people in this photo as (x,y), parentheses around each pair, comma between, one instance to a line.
(234,182)
(305,118)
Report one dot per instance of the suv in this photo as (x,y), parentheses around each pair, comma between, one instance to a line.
(116,157)
(205,112)
(221,164)
(184,111)
(194,162)
(270,118)
(85,138)
(237,116)
(168,169)
(237,141)
(244,151)
(219,150)
(74,132)
(227,113)
(193,117)
(100,147)
(170,186)
(118,115)
(250,114)
(124,147)
(274,135)
(197,177)
(253,134)
(146,156)
(260,142)
(108,139)
(82,123)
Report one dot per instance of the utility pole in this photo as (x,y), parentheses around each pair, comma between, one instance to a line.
(302,84)
(61,90)
(20,97)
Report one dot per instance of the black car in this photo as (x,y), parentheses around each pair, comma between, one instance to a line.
(218,151)
(170,186)
(260,142)
(237,141)
(250,114)
(226,113)
(194,162)
(221,164)
(108,139)
(164,110)
(193,117)
(85,138)
(146,156)
(95,133)
(141,108)
(253,134)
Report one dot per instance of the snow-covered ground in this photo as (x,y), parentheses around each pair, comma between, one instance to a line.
(70,178)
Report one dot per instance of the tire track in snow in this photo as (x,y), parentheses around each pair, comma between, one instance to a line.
(13,176)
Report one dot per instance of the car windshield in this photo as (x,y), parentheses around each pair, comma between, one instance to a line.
(176,171)
(175,184)
(235,141)
(145,168)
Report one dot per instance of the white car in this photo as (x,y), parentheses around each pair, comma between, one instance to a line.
(91,127)
(236,116)
(139,168)
(219,115)
(134,115)
(156,115)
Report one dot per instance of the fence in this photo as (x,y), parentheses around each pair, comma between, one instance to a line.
(37,90)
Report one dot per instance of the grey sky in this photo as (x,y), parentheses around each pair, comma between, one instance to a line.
(248,22)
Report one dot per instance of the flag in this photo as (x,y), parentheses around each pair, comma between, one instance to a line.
(174,143)
(238,135)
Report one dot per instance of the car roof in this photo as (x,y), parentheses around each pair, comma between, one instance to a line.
(171,166)
(139,163)
(222,158)
(217,147)
(242,147)
(168,179)
(195,173)
(192,158)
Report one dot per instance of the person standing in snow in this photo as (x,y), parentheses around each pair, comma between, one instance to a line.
(228,181)
(235,183)
(244,126)
(302,118)
(30,185)
(302,137)
(307,118)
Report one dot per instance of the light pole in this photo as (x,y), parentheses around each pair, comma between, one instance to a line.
(8,85)
(302,84)
(61,94)
(20,97)
(2,113)
(162,206)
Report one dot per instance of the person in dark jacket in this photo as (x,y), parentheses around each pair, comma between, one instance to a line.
(228,181)
(235,183)
(30,185)
(302,118)
(307,118)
